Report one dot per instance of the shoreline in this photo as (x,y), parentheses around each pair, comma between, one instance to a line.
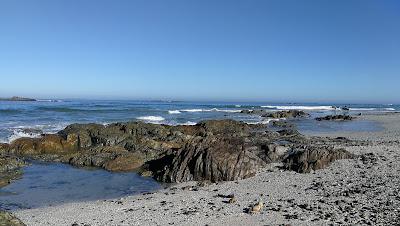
(335,194)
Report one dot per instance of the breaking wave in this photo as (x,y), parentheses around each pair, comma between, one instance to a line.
(311,108)
(151,118)
(174,112)
(211,110)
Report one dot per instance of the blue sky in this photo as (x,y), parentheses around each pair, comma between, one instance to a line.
(283,50)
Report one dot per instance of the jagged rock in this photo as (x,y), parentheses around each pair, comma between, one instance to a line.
(314,158)
(207,158)
(335,118)
(212,150)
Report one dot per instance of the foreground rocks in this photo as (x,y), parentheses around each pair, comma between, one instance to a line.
(10,167)
(7,219)
(215,150)
(335,118)
(305,161)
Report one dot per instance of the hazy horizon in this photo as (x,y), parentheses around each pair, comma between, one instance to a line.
(259,51)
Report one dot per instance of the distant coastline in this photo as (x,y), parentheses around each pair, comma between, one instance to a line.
(15,98)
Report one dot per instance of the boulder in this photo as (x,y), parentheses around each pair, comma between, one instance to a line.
(314,158)
(209,158)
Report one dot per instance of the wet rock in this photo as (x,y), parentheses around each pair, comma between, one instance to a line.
(282,124)
(10,168)
(214,150)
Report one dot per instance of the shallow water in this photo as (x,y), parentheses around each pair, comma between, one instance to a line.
(46,184)
(314,127)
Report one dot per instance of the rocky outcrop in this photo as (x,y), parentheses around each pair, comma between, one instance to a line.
(276,114)
(10,166)
(212,150)
(314,158)
(287,114)
(335,118)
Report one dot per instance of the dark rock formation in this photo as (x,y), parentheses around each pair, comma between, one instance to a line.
(335,118)
(10,166)
(314,158)
(15,98)
(287,114)
(282,124)
(212,150)
(277,114)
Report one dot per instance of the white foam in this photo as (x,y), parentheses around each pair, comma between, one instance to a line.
(238,106)
(311,108)
(192,110)
(188,123)
(18,134)
(229,111)
(151,118)
(362,109)
(211,110)
(390,109)
(45,100)
(174,112)
(266,121)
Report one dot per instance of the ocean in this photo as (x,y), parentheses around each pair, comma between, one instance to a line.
(30,119)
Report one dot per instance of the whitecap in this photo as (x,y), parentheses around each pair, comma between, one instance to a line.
(192,110)
(311,108)
(21,133)
(211,110)
(151,118)
(265,121)
(188,123)
(362,109)
(174,112)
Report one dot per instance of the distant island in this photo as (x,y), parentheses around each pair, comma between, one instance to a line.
(15,98)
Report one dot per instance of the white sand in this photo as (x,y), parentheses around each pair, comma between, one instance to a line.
(357,191)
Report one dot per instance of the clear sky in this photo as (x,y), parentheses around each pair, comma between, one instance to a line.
(269,50)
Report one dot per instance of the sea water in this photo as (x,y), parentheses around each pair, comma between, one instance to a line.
(19,119)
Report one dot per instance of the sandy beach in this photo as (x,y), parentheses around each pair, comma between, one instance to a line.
(362,191)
